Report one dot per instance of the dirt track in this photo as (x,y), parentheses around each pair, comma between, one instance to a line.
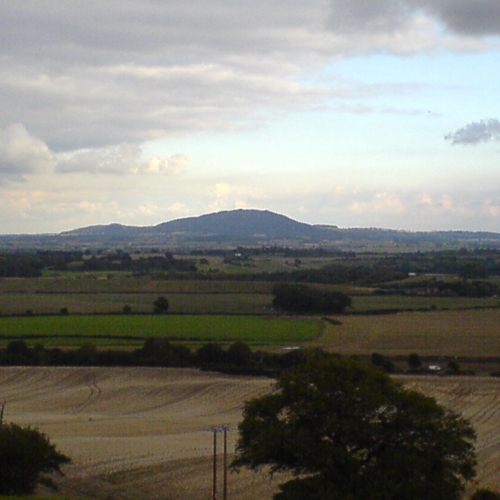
(144,433)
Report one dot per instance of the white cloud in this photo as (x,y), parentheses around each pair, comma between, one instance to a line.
(21,153)
(167,166)
(123,159)
(382,202)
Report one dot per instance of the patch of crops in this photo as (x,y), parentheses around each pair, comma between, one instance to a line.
(134,329)
(418,303)
(470,333)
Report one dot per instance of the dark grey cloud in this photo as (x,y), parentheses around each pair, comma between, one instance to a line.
(476,132)
(470,17)
(368,16)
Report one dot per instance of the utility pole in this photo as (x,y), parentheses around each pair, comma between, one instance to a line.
(2,409)
(214,488)
(215,430)
(225,428)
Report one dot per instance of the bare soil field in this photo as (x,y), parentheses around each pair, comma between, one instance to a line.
(436,333)
(144,433)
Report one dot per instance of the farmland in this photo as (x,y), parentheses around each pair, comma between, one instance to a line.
(144,432)
(439,333)
(229,310)
(133,330)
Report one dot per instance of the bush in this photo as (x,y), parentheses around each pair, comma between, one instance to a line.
(26,457)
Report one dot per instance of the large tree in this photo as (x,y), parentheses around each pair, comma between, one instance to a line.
(160,305)
(347,431)
(27,457)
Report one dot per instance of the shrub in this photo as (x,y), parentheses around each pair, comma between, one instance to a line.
(26,457)
(160,305)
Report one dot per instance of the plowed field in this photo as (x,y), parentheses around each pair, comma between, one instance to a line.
(145,433)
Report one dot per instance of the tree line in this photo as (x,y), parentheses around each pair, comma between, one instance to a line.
(237,358)
(345,267)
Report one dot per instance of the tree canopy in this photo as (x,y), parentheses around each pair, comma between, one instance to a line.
(346,431)
(299,298)
(26,457)
(160,305)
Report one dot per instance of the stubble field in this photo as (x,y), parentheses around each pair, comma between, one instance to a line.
(145,433)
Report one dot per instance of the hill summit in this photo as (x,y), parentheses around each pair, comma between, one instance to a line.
(241,227)
(250,227)
(239,223)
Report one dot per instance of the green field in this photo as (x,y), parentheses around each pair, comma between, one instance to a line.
(90,303)
(132,330)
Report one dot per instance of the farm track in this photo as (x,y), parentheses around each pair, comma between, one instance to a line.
(144,432)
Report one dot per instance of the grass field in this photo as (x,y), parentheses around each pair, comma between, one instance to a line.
(229,298)
(180,303)
(132,330)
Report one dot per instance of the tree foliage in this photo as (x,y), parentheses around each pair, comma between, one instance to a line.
(160,305)
(346,430)
(26,457)
(485,494)
(299,298)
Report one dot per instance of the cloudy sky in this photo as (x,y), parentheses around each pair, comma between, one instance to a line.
(357,113)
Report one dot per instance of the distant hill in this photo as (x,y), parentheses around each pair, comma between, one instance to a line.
(231,228)
(225,227)
(239,223)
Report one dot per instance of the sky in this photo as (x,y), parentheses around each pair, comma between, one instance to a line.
(355,113)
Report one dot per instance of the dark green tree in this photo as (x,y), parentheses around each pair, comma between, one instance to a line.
(26,458)
(239,354)
(347,431)
(485,494)
(383,362)
(414,361)
(453,366)
(299,298)
(161,352)
(211,353)
(160,305)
